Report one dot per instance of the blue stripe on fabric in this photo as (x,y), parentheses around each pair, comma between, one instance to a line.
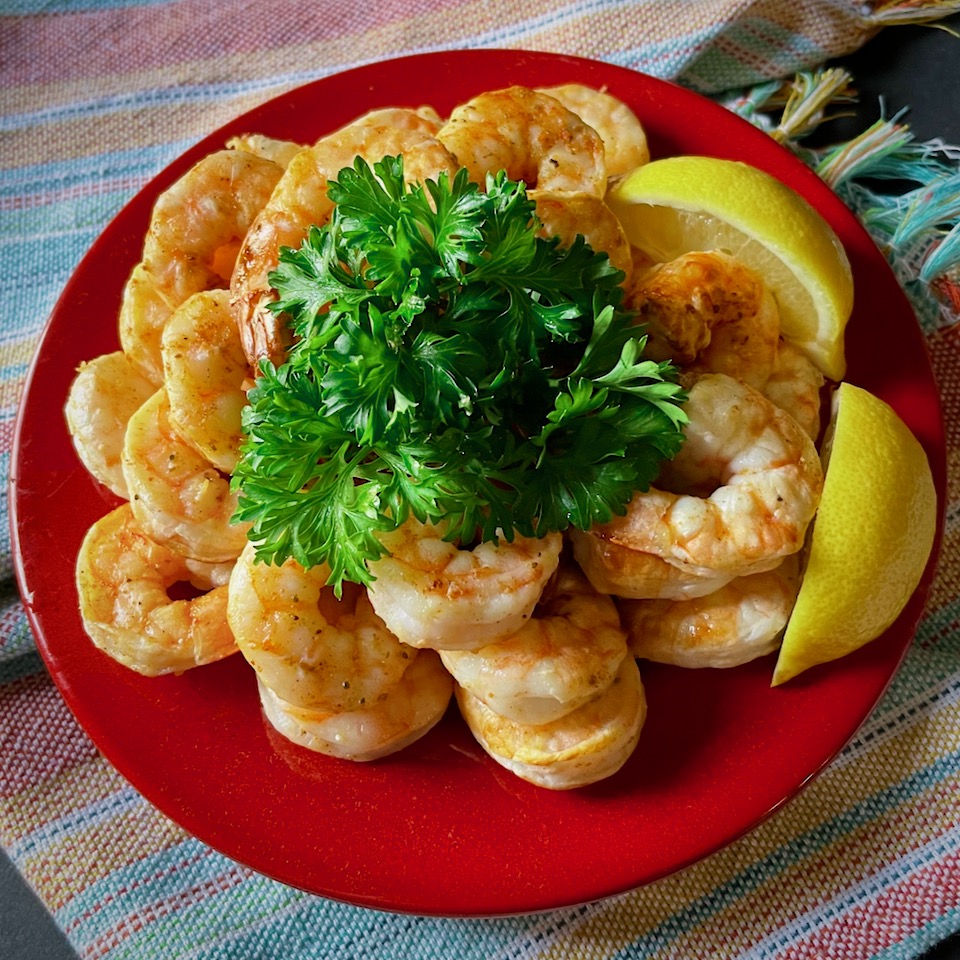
(46,180)
(883,725)
(100,906)
(58,830)
(257,917)
(921,940)
(248,915)
(28,8)
(658,59)
(666,59)
(34,276)
(870,887)
(140,99)
(25,664)
(269,927)
(795,851)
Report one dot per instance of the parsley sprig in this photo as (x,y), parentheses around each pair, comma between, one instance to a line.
(449,363)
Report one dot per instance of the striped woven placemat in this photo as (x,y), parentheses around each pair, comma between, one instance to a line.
(98,95)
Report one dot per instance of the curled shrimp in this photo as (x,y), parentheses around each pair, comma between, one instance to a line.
(530,135)
(709,309)
(300,201)
(410,708)
(311,649)
(756,478)
(564,655)
(124,579)
(280,152)
(177,496)
(624,139)
(566,215)
(737,623)
(432,593)
(196,229)
(795,385)
(204,373)
(581,747)
(615,569)
(105,393)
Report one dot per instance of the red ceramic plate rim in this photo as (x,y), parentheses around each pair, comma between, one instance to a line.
(440,829)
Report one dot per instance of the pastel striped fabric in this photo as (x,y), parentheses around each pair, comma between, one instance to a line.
(97,96)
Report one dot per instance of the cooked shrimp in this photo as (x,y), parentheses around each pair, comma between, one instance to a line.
(622,572)
(531,136)
(268,148)
(205,370)
(177,496)
(410,708)
(764,474)
(565,215)
(432,593)
(709,309)
(105,393)
(795,386)
(624,139)
(123,579)
(311,649)
(300,201)
(736,624)
(564,655)
(196,229)
(584,746)
(206,576)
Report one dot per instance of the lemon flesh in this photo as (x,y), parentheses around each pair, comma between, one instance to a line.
(682,204)
(871,539)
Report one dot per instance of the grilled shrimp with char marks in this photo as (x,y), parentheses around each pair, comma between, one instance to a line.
(709,311)
(433,593)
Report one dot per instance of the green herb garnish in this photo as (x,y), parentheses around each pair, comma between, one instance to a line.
(450,364)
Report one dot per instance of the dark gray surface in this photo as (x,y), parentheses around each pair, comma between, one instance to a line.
(915,67)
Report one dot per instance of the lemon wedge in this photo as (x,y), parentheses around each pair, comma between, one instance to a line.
(871,538)
(681,204)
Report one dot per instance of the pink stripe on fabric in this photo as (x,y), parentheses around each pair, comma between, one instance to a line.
(149,913)
(88,188)
(44,741)
(893,915)
(171,868)
(7,430)
(134,39)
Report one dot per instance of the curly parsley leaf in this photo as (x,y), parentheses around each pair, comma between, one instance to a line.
(452,364)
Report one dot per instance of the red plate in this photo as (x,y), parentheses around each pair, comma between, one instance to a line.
(440,828)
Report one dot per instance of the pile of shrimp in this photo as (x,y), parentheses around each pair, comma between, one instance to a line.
(538,641)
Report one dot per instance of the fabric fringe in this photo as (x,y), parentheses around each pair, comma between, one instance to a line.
(886,13)
(905,192)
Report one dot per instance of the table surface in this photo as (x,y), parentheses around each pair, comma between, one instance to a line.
(901,67)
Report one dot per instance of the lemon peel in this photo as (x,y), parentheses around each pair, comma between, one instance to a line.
(871,538)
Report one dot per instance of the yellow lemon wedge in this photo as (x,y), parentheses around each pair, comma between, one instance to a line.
(871,538)
(681,204)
